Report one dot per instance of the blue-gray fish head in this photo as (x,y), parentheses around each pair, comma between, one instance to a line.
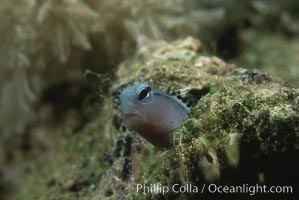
(151,113)
(134,100)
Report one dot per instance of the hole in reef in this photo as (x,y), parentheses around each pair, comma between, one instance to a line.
(109,193)
(193,96)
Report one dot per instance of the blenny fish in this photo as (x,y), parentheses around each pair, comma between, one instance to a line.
(152,113)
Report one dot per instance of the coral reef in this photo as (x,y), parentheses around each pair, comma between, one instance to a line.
(43,39)
(61,135)
(48,42)
(242,123)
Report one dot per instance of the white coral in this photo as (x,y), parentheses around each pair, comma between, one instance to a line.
(63,23)
(49,41)
(16,94)
(14,17)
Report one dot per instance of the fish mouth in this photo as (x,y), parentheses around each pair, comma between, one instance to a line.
(130,115)
(135,112)
(133,118)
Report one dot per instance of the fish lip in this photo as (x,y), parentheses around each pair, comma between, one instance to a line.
(137,113)
(129,115)
(132,119)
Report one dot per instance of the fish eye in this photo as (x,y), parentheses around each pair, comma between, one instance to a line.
(144,94)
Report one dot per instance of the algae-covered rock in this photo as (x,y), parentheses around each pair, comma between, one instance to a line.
(240,119)
(243,128)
